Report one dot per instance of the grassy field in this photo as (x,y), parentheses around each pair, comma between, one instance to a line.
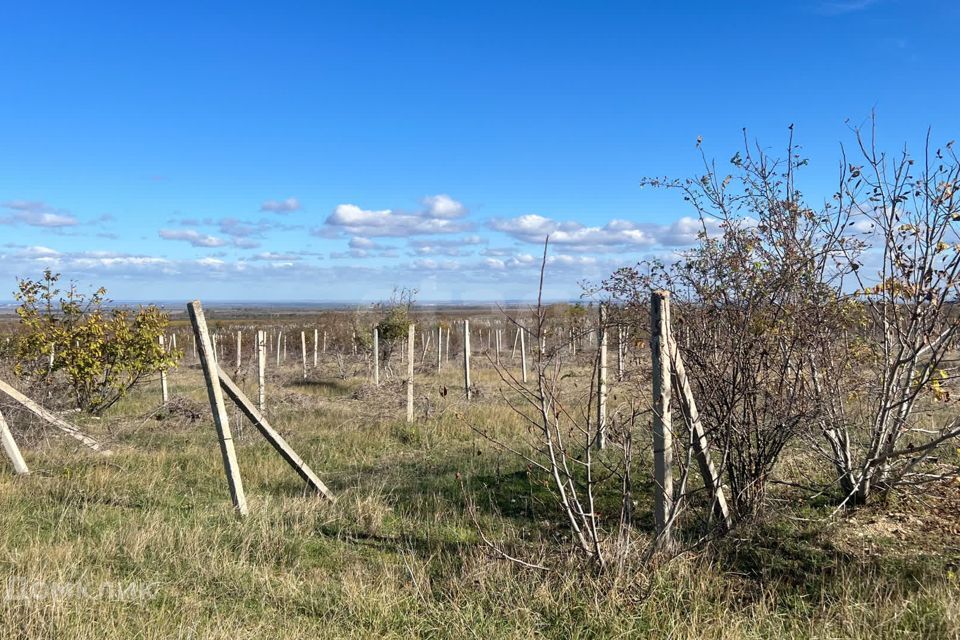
(398,556)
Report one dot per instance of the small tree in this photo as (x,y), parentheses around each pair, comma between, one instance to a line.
(906,301)
(753,299)
(395,320)
(101,353)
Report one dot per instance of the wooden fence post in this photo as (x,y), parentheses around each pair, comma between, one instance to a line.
(261,371)
(439,348)
(523,355)
(164,395)
(621,352)
(303,352)
(466,358)
(11,448)
(220,419)
(662,423)
(410,347)
(315,348)
(602,379)
(279,335)
(239,348)
(376,356)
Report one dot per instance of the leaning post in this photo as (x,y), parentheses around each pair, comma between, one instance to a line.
(220,419)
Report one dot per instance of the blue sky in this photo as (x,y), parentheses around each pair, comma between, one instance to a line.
(329,151)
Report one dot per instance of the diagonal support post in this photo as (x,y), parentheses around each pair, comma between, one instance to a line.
(210,370)
(701,446)
(270,434)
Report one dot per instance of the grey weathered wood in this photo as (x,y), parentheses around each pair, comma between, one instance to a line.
(523,355)
(275,439)
(662,421)
(601,441)
(410,346)
(11,448)
(164,393)
(376,356)
(261,371)
(52,418)
(701,446)
(303,352)
(466,358)
(211,372)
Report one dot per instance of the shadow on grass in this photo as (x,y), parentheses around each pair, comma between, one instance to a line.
(324,387)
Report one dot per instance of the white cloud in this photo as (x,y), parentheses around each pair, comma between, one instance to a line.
(270,256)
(439,217)
(39,252)
(452,247)
(195,238)
(289,205)
(533,228)
(358,242)
(443,206)
(616,235)
(428,264)
(36,214)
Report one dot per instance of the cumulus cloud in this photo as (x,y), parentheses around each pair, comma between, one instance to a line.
(443,206)
(195,238)
(289,205)
(616,235)
(440,215)
(36,214)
